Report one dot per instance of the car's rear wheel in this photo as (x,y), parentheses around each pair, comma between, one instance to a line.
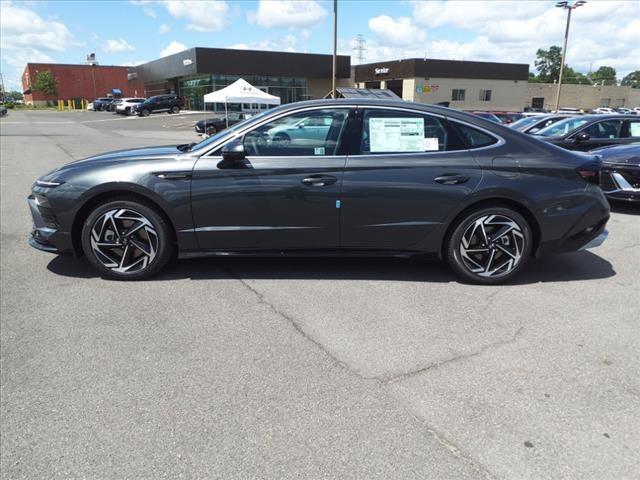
(127,240)
(175,109)
(145,112)
(490,245)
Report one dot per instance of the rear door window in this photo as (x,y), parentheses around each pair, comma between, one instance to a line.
(604,129)
(395,131)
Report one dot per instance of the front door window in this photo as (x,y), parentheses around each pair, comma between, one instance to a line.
(311,133)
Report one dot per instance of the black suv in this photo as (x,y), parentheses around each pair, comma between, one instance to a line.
(160,103)
(102,103)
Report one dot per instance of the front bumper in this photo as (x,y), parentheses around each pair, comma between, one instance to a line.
(621,182)
(597,241)
(47,237)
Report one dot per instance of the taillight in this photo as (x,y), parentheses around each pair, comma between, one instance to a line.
(590,171)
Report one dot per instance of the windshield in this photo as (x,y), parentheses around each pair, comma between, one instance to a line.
(525,122)
(562,127)
(218,136)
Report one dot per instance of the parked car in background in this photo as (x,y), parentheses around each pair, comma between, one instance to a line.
(101,103)
(587,132)
(169,103)
(375,178)
(126,106)
(508,117)
(488,116)
(620,174)
(536,123)
(3,110)
(90,107)
(211,126)
(604,111)
(625,111)
(111,107)
(572,110)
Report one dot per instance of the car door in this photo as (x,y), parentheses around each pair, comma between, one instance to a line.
(283,195)
(598,134)
(412,170)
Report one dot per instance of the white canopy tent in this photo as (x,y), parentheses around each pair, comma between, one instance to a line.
(240,91)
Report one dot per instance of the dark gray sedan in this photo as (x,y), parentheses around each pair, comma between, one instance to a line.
(329,177)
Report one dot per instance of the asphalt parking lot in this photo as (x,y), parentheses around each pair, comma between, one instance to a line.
(303,368)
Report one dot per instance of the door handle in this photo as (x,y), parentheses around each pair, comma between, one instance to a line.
(452,179)
(319,180)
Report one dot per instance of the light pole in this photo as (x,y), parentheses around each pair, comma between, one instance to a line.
(569,7)
(335,48)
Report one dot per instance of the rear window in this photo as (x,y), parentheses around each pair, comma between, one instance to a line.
(475,138)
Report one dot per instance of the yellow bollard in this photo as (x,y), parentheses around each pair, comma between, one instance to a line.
(69,105)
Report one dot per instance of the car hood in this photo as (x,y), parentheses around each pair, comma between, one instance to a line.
(118,156)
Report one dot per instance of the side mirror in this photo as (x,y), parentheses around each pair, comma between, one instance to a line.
(232,155)
(581,137)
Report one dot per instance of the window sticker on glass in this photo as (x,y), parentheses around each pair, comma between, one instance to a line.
(431,144)
(396,134)
(634,129)
(318,151)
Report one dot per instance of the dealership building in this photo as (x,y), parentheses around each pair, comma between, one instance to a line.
(464,85)
(194,72)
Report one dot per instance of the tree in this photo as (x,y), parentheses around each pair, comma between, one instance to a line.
(605,75)
(548,64)
(570,76)
(45,83)
(16,95)
(632,80)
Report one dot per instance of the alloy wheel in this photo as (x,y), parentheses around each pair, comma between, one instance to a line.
(124,240)
(492,246)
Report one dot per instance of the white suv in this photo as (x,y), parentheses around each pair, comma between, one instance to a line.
(125,107)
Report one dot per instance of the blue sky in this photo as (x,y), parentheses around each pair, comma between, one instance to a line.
(130,32)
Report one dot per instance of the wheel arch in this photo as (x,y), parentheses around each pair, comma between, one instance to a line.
(114,194)
(519,207)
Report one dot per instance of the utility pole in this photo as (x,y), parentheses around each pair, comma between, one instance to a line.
(335,48)
(569,8)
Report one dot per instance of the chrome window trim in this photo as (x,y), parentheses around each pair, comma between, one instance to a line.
(500,141)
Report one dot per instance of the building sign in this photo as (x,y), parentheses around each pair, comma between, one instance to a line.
(381,71)
(427,88)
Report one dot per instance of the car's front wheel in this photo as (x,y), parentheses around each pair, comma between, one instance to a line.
(145,112)
(490,245)
(127,240)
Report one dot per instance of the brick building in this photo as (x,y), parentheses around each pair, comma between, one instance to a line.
(80,81)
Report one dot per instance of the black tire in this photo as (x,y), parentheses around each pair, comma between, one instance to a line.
(211,131)
(515,245)
(163,245)
(145,112)
(175,109)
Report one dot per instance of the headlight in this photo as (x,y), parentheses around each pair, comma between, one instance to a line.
(42,183)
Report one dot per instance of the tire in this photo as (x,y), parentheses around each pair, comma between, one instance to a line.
(210,131)
(136,256)
(497,260)
(145,112)
(282,139)
(175,109)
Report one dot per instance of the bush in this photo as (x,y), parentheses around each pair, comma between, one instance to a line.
(10,105)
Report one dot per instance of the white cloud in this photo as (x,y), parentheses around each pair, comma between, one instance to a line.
(281,44)
(119,45)
(149,12)
(135,63)
(399,32)
(287,13)
(173,47)
(602,33)
(27,37)
(239,46)
(164,28)
(203,16)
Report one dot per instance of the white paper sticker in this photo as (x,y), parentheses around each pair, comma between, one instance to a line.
(431,144)
(396,134)
(634,128)
(318,151)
